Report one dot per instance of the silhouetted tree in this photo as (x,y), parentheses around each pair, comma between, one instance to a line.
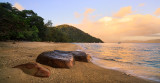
(49,23)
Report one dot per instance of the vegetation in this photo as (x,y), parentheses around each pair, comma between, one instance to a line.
(76,35)
(26,25)
(20,25)
(53,34)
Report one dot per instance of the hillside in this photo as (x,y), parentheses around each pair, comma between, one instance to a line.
(76,35)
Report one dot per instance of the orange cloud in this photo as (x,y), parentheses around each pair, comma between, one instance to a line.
(18,6)
(157,12)
(141,5)
(86,14)
(77,15)
(89,10)
(123,11)
(126,27)
(115,29)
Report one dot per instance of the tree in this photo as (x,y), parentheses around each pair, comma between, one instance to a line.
(19,25)
(55,35)
(49,23)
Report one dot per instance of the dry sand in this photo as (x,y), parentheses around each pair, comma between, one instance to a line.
(23,52)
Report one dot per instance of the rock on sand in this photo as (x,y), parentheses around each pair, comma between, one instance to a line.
(34,69)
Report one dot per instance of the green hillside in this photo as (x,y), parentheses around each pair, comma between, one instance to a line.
(76,35)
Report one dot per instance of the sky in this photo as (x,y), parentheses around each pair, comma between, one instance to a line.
(109,20)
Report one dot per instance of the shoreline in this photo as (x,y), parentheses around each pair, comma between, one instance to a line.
(123,72)
(22,52)
(113,63)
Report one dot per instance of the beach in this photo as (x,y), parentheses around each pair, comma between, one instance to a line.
(82,72)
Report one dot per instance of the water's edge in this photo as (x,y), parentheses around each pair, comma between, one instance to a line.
(129,74)
(94,61)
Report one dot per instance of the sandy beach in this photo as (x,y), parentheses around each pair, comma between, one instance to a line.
(23,52)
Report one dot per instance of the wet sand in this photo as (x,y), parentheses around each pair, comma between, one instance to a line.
(23,52)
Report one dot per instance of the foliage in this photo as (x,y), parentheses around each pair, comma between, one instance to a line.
(53,34)
(28,26)
(19,25)
(76,35)
(49,23)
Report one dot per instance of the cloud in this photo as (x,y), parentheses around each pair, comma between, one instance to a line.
(157,12)
(141,5)
(89,10)
(123,11)
(77,15)
(95,16)
(111,29)
(86,14)
(18,6)
(155,35)
(125,27)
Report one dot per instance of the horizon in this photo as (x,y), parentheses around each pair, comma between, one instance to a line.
(111,21)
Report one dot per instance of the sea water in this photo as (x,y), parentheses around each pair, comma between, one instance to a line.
(137,59)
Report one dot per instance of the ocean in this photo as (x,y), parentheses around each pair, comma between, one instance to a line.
(136,59)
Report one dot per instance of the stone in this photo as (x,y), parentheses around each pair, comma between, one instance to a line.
(13,42)
(34,69)
(57,60)
(78,55)
(9,77)
(81,56)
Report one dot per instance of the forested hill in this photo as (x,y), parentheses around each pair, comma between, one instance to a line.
(26,25)
(76,35)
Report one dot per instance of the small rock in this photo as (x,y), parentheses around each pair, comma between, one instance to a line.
(126,74)
(30,56)
(34,69)
(13,42)
(9,77)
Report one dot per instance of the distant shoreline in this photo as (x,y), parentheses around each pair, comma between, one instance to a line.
(74,42)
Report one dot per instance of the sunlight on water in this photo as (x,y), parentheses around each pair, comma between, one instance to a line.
(137,59)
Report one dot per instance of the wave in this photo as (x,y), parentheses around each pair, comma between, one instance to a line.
(134,59)
(128,68)
(118,61)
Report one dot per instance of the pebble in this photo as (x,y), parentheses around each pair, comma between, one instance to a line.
(30,56)
(9,77)
(126,74)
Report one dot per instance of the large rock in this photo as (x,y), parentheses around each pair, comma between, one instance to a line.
(78,55)
(81,56)
(58,60)
(34,69)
